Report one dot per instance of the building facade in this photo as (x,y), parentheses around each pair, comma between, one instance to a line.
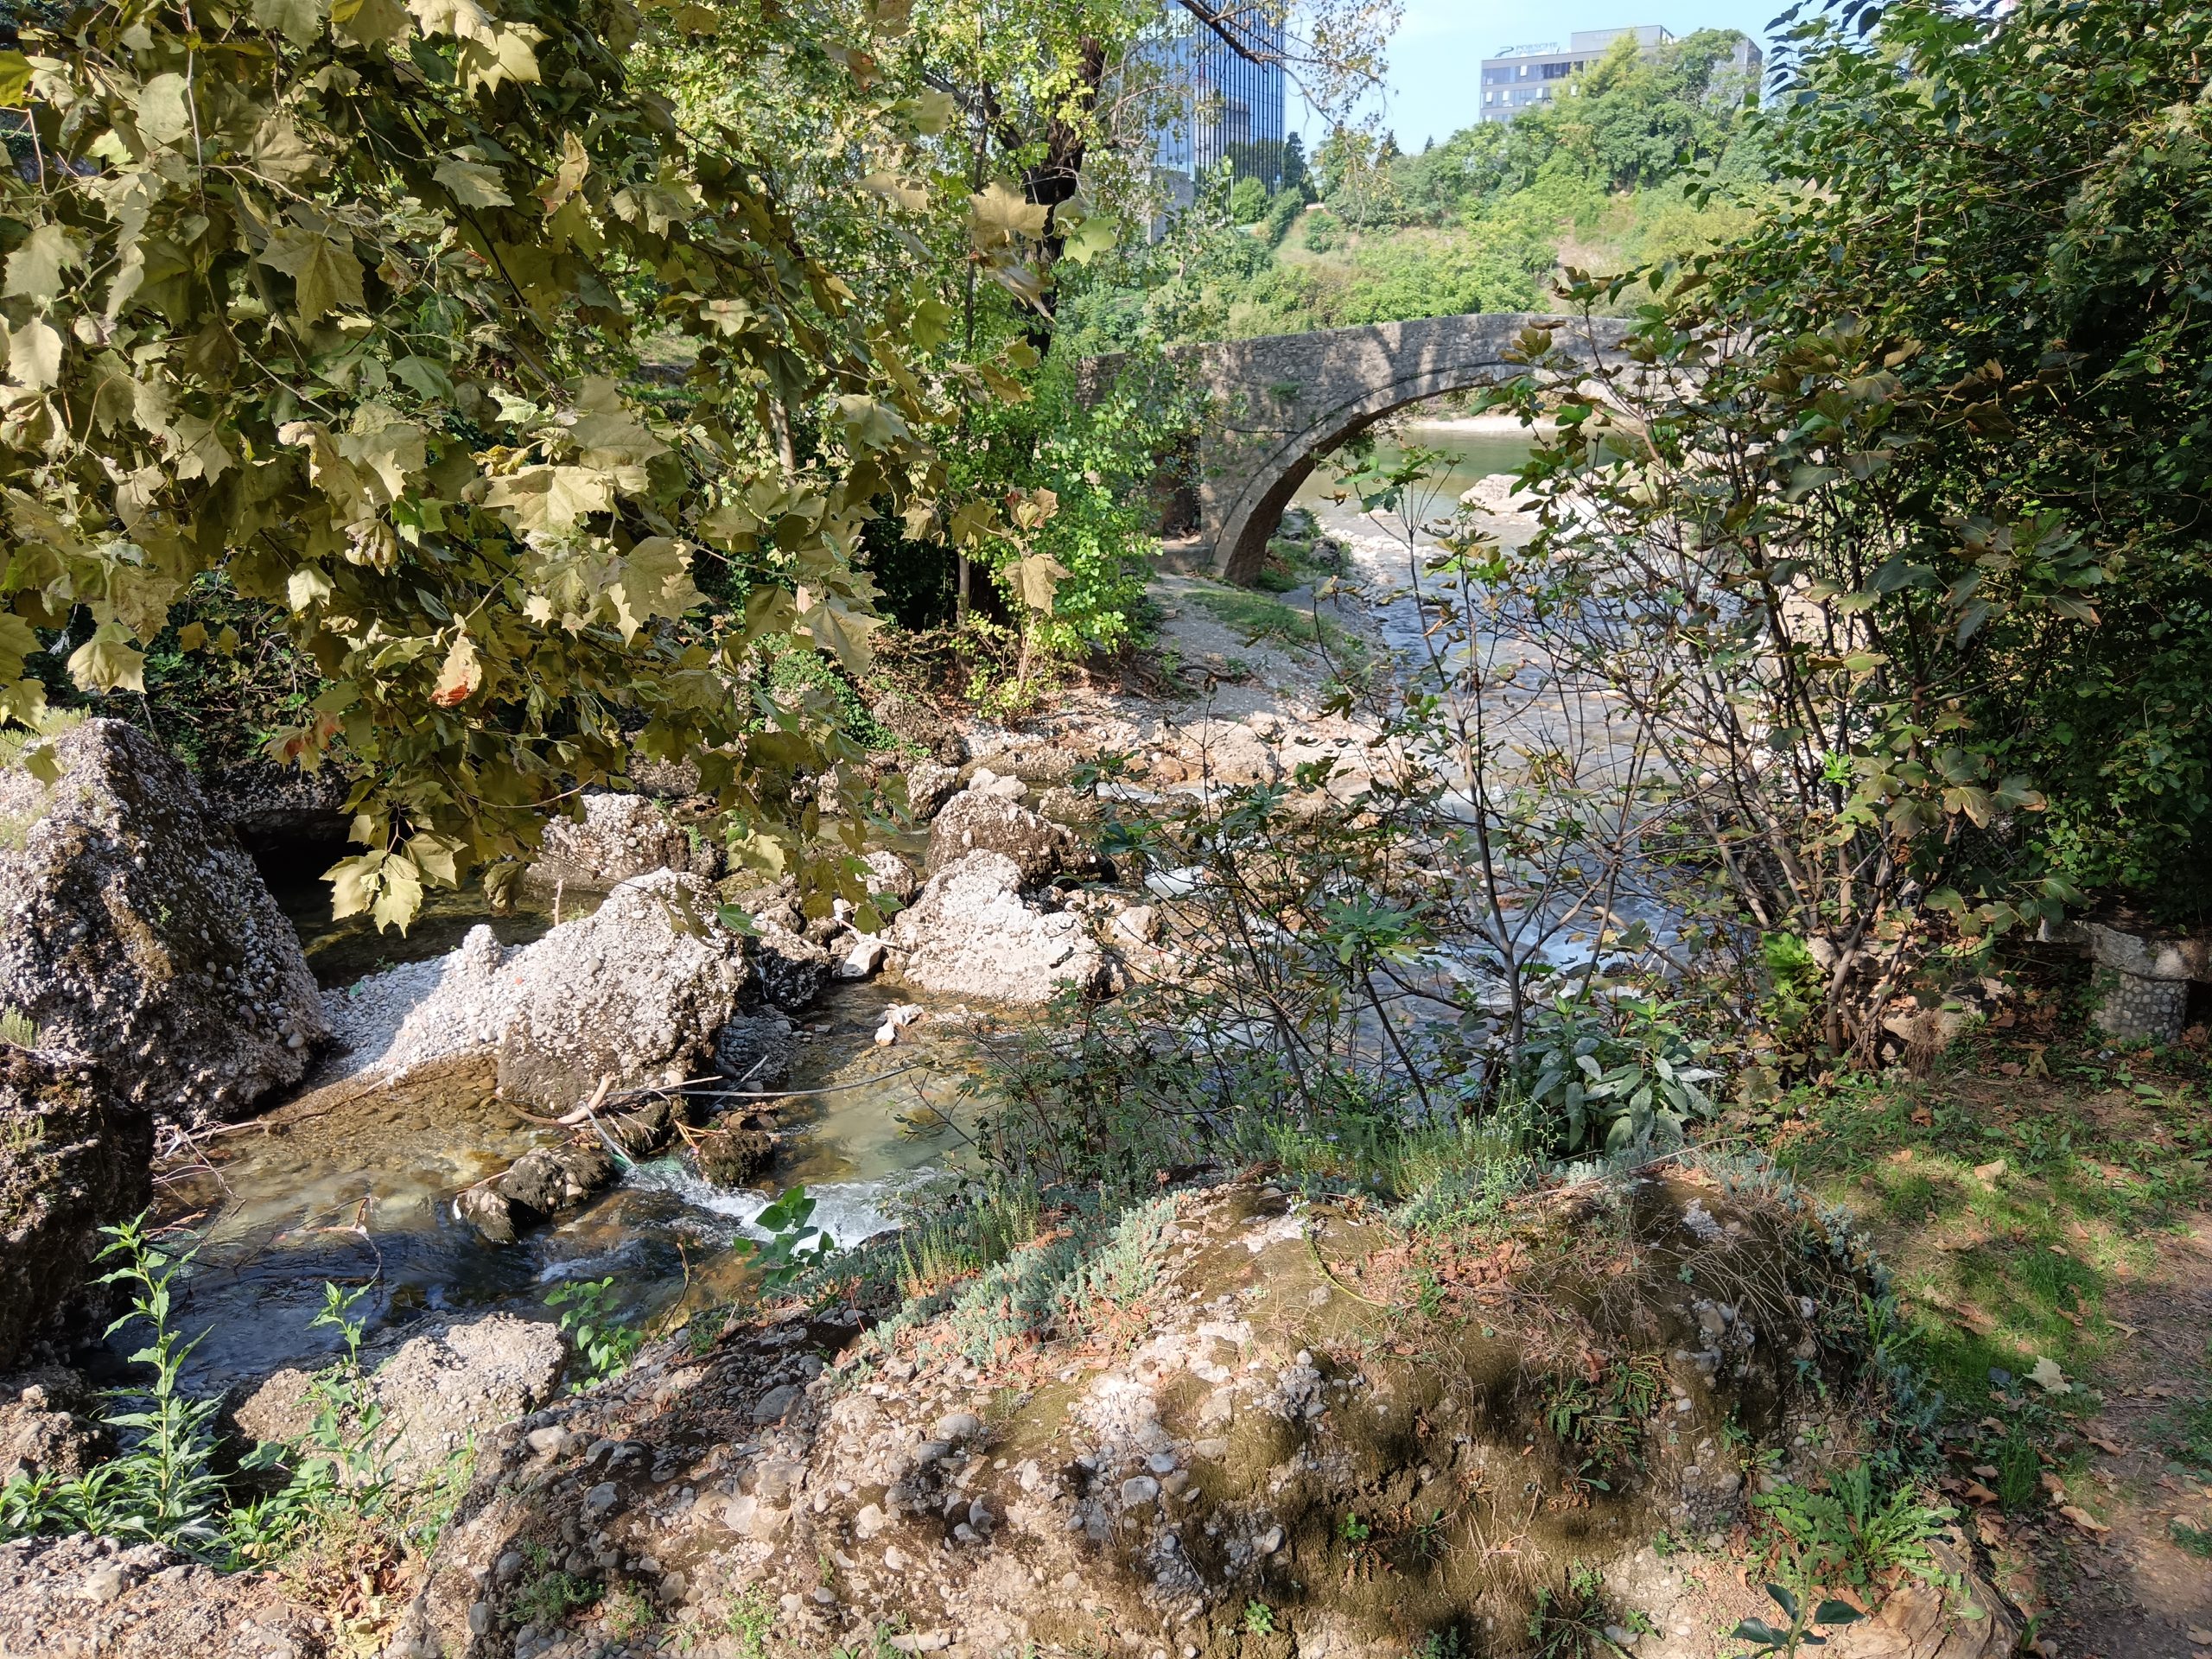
(1527,77)
(1220,106)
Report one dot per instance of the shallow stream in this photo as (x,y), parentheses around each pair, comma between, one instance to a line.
(353,1182)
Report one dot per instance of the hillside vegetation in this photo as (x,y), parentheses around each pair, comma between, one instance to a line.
(1619,172)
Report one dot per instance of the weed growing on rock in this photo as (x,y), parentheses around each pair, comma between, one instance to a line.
(550,1593)
(1571,1621)
(1069,1281)
(1856,1530)
(603,1347)
(20,1029)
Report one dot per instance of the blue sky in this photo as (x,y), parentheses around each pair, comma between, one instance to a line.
(1435,59)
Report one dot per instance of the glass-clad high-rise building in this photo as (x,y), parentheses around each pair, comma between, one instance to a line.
(1222,106)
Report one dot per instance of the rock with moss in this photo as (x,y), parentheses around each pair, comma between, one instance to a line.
(74,1157)
(1387,1434)
(138,931)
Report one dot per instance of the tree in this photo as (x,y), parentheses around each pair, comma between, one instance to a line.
(328,308)
(1295,178)
(1887,502)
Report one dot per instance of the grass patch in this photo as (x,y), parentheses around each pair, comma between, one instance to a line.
(1259,616)
(2008,1204)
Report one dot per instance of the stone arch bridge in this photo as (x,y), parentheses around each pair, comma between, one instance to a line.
(1281,403)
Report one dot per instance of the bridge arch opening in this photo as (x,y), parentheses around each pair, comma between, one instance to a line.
(1283,402)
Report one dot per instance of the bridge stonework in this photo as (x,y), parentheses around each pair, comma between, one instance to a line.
(1279,403)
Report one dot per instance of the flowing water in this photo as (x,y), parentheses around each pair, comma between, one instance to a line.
(353,1182)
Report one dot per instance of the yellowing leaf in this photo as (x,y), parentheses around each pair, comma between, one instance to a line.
(14,78)
(191,637)
(504,54)
(34,355)
(1041,576)
(461,676)
(279,153)
(655,580)
(165,108)
(465,20)
(370,23)
(106,662)
(567,177)
(307,586)
(2046,1376)
(998,215)
(933,111)
(36,268)
(473,184)
(353,884)
(551,498)
(400,899)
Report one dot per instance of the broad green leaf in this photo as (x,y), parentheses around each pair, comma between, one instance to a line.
(299,21)
(17,641)
(472,183)
(35,268)
(1095,235)
(321,265)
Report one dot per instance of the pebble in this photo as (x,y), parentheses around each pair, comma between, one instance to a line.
(1139,1489)
(958,1426)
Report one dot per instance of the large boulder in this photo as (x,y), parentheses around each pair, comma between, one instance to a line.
(74,1157)
(138,931)
(616,837)
(439,1389)
(85,1595)
(971,934)
(978,821)
(634,992)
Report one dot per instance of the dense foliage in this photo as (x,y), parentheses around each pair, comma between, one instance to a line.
(1915,470)
(1601,178)
(333,304)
